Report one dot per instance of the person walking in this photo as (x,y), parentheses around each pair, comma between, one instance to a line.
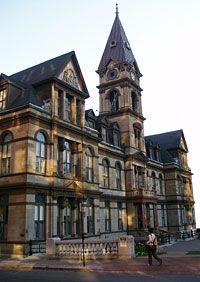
(152,247)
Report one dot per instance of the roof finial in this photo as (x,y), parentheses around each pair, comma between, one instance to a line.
(117,12)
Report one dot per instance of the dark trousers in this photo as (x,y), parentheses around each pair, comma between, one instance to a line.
(151,250)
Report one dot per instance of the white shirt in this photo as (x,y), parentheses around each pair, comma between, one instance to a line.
(151,238)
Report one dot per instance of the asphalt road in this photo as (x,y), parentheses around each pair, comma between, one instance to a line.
(50,276)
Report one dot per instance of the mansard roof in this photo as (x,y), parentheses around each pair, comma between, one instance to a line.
(118,48)
(90,114)
(168,141)
(22,93)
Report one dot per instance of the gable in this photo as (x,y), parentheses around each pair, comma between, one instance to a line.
(70,75)
(183,144)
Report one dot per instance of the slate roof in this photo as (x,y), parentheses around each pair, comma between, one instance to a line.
(43,71)
(25,96)
(27,79)
(121,53)
(167,141)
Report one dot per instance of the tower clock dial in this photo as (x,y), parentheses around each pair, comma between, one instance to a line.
(112,74)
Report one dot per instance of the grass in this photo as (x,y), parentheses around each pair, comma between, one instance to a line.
(193,253)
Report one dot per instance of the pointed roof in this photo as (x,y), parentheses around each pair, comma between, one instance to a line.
(117,47)
(43,71)
(49,69)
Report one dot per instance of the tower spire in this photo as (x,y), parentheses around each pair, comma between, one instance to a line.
(116,12)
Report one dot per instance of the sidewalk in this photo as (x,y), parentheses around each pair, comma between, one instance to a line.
(175,261)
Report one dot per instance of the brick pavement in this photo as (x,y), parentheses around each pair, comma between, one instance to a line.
(175,261)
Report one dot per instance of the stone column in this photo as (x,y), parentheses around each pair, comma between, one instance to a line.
(126,247)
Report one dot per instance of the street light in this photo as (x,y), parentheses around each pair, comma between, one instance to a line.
(82,229)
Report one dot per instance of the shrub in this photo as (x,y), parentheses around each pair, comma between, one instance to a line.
(140,250)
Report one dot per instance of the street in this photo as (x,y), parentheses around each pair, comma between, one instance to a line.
(30,276)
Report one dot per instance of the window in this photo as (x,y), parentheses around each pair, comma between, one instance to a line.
(39,216)
(90,216)
(107,217)
(2,99)
(91,123)
(104,133)
(66,164)
(68,104)
(137,133)
(105,173)
(153,176)
(134,101)
(120,216)
(75,160)
(3,216)
(116,138)
(161,184)
(6,154)
(67,220)
(114,103)
(59,103)
(118,175)
(163,215)
(40,153)
(64,157)
(89,165)
(139,177)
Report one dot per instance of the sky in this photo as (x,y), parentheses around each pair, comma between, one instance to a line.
(164,36)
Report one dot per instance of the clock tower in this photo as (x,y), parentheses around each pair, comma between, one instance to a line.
(119,89)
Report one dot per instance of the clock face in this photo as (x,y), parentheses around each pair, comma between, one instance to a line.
(112,74)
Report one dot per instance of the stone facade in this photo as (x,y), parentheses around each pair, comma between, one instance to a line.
(65,171)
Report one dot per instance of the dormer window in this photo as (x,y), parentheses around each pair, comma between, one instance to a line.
(91,123)
(104,134)
(116,138)
(2,99)
(113,43)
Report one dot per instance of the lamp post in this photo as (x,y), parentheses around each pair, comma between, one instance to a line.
(82,229)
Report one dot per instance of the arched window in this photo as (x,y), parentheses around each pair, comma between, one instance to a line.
(105,173)
(89,165)
(161,184)
(118,175)
(114,101)
(134,98)
(40,153)
(6,153)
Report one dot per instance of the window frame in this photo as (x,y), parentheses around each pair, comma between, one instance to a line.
(41,148)
(3,98)
(6,154)
(106,180)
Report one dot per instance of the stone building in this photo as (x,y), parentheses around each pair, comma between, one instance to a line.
(64,170)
